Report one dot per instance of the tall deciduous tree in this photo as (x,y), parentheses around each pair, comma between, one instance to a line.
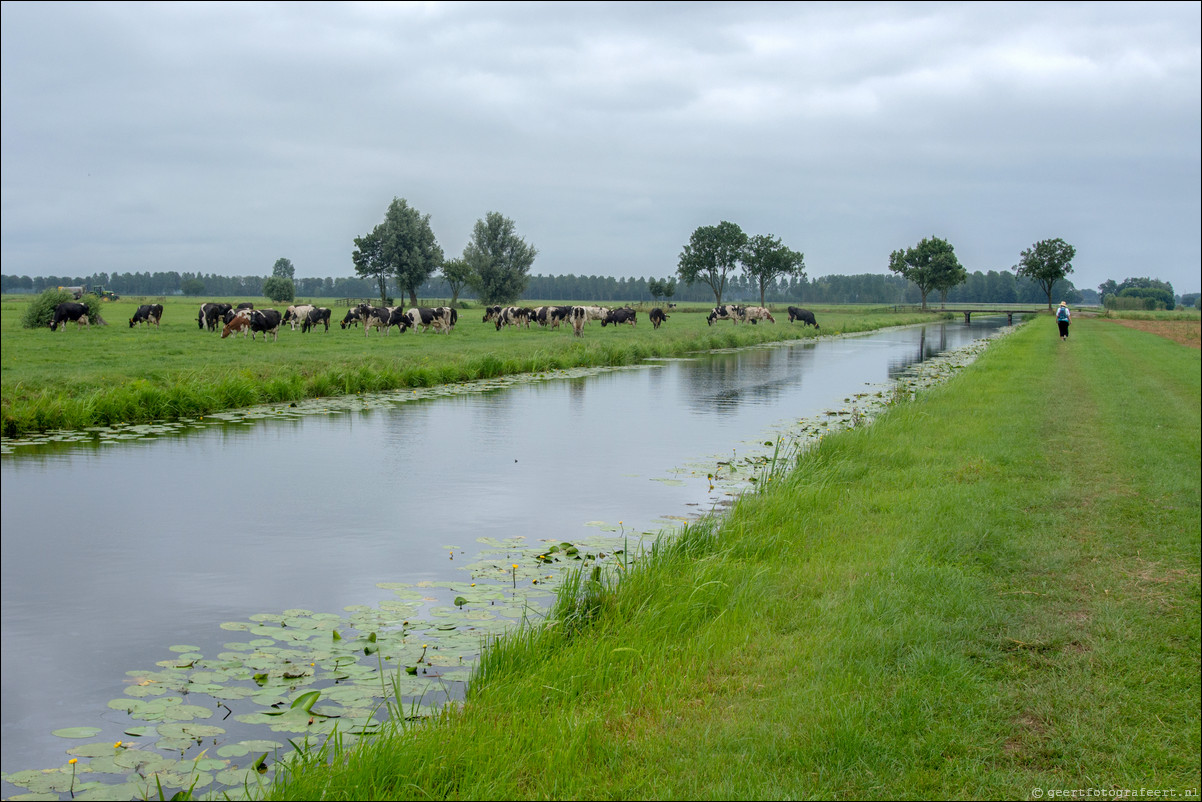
(931,264)
(457,273)
(368,258)
(712,252)
(1045,263)
(766,259)
(283,269)
(500,260)
(408,246)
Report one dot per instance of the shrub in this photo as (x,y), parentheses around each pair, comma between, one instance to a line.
(40,313)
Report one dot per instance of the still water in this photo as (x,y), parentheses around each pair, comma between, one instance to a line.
(113,552)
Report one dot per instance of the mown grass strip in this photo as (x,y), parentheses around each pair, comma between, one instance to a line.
(989,591)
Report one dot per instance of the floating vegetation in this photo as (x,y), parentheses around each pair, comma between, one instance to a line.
(305,675)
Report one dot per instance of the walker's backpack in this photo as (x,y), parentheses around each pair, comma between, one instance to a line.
(1062,314)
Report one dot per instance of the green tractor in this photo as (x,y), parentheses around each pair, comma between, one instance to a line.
(105,295)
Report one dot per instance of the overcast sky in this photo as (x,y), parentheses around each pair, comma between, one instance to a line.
(217,138)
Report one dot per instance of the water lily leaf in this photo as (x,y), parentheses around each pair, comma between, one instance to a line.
(77,732)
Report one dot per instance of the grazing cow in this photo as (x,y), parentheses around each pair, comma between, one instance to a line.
(559,314)
(377,317)
(804,315)
(266,321)
(657,316)
(425,317)
(578,316)
(317,316)
(353,318)
(69,311)
(449,314)
(617,316)
(731,312)
(756,313)
(491,313)
(295,315)
(236,323)
(512,316)
(148,314)
(210,314)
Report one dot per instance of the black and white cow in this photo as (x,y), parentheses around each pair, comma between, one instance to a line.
(578,316)
(425,317)
(69,311)
(559,314)
(352,318)
(618,316)
(209,315)
(374,317)
(657,316)
(316,317)
(295,315)
(266,321)
(752,314)
(148,314)
(512,316)
(731,312)
(450,316)
(804,315)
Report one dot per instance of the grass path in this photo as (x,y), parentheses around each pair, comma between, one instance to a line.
(990,591)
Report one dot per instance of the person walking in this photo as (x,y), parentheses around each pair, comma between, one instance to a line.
(1063,318)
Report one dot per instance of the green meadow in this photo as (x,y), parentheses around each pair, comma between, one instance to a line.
(992,592)
(104,375)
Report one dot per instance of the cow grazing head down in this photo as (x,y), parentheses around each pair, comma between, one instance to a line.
(69,311)
(804,315)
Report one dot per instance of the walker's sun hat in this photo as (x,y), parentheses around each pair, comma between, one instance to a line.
(1062,303)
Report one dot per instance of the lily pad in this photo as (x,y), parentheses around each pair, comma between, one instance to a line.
(77,732)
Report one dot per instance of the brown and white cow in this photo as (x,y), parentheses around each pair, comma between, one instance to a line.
(753,314)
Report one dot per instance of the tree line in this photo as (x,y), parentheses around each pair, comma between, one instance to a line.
(401,257)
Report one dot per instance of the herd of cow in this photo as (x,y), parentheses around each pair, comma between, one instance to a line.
(247,320)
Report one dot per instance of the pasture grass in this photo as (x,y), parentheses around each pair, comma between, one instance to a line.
(111,374)
(990,593)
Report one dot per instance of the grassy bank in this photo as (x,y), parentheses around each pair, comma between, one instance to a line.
(113,374)
(992,592)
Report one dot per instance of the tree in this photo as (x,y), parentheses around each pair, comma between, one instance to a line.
(931,264)
(369,262)
(712,252)
(192,286)
(283,269)
(500,260)
(661,288)
(408,246)
(457,273)
(1045,263)
(279,289)
(766,259)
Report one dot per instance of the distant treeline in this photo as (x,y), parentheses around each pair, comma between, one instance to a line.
(866,288)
